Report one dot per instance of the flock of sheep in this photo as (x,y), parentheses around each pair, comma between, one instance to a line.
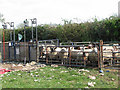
(87,53)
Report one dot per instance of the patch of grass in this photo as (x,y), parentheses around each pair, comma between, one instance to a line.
(58,77)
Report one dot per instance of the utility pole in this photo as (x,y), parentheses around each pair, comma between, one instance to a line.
(32,28)
(4,27)
(12,26)
(25,25)
(10,34)
(36,29)
(119,9)
(34,21)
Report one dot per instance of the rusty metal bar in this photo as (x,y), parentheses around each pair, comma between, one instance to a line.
(46,55)
(69,56)
(84,58)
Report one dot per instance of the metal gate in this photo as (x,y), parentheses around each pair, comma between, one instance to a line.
(110,54)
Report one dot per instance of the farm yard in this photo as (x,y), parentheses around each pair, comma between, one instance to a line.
(63,66)
(72,54)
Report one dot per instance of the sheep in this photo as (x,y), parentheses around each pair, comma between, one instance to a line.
(63,54)
(92,58)
(76,54)
(58,54)
(44,51)
(54,53)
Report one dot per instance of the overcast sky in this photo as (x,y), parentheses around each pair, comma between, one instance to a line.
(53,11)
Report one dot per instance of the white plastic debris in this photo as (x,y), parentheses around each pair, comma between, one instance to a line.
(36,75)
(65,71)
(61,71)
(20,65)
(53,76)
(53,65)
(101,74)
(28,65)
(42,65)
(14,78)
(94,82)
(91,84)
(92,77)
(112,79)
(8,74)
(19,74)
(49,78)
(52,70)
(86,87)
(31,74)
(13,65)
(83,73)
(74,75)
(33,63)
(35,80)
(83,70)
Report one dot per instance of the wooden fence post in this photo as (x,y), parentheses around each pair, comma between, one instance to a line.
(101,54)
(98,52)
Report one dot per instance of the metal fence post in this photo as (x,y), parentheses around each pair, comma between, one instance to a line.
(9,51)
(69,56)
(46,56)
(24,45)
(29,51)
(113,54)
(3,45)
(14,51)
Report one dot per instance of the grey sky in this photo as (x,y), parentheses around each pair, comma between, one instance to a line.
(53,11)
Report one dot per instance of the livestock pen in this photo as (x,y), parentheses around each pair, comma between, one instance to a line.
(71,55)
(74,54)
